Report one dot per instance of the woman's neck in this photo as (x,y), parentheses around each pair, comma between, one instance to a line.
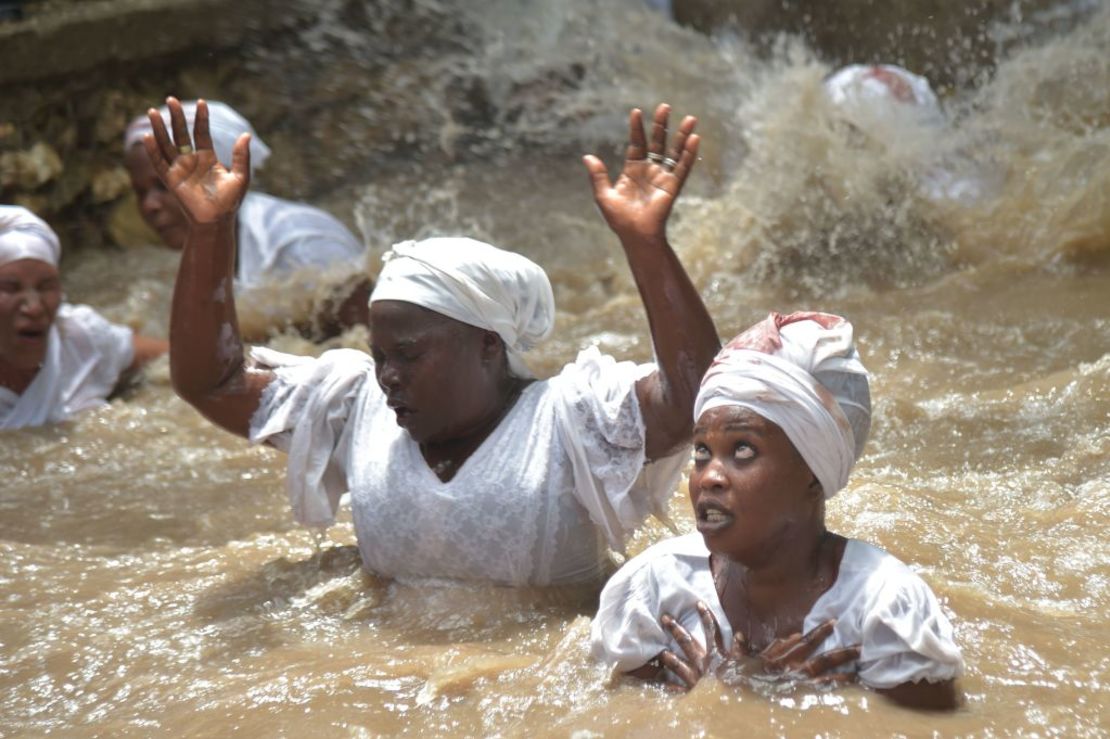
(447,456)
(16,379)
(772,599)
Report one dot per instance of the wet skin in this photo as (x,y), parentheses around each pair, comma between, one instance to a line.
(446,381)
(761,512)
(30,294)
(753,495)
(157,205)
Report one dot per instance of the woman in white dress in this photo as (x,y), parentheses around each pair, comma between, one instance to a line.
(459,463)
(56,359)
(276,238)
(782,415)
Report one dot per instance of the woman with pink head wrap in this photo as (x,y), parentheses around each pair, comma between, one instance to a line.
(56,359)
(782,416)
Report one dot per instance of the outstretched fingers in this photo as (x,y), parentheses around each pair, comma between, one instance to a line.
(599,176)
(828,661)
(166,149)
(202,134)
(693,650)
(678,144)
(681,668)
(713,639)
(687,159)
(181,138)
(774,651)
(637,143)
(154,153)
(659,129)
(798,648)
(241,157)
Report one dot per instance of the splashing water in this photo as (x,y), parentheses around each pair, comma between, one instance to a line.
(154,583)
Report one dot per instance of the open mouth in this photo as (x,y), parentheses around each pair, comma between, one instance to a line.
(404,413)
(32,334)
(712,517)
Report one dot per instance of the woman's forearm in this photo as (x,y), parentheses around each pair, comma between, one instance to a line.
(683,334)
(206,357)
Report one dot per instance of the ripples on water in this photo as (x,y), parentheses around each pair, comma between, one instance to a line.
(152,579)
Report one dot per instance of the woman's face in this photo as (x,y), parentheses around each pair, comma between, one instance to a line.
(157,205)
(437,373)
(751,490)
(30,293)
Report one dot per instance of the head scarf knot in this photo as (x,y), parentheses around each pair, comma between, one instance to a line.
(477,284)
(224,123)
(23,235)
(801,372)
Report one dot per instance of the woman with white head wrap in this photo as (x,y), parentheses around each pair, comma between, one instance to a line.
(276,238)
(474,283)
(55,359)
(458,462)
(782,415)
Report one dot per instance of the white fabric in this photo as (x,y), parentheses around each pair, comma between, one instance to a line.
(277,237)
(23,235)
(85,356)
(883,88)
(477,284)
(225,125)
(878,602)
(791,370)
(513,512)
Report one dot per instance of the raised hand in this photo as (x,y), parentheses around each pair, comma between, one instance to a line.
(207,191)
(638,204)
(788,660)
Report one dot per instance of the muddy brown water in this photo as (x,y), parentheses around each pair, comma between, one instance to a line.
(152,581)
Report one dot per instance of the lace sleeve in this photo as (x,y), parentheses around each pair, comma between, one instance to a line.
(906,637)
(598,419)
(304,412)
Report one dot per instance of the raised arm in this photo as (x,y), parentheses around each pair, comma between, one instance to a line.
(636,207)
(206,356)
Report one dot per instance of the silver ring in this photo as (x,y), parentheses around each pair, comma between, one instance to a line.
(669,163)
(657,158)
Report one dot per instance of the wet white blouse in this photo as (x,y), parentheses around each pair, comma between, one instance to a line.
(562,475)
(277,237)
(879,604)
(85,356)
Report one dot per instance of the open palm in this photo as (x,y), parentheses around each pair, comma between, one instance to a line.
(207,191)
(638,204)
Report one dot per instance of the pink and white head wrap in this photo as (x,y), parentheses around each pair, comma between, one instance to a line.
(883,88)
(801,372)
(224,123)
(23,235)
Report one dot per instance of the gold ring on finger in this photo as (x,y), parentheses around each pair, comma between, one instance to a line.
(185,149)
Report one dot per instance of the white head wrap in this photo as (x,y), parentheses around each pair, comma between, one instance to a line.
(477,284)
(224,123)
(801,372)
(23,235)
(883,85)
